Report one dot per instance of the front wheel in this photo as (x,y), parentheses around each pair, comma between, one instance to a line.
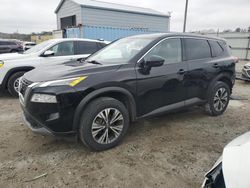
(103,124)
(218,99)
(13,83)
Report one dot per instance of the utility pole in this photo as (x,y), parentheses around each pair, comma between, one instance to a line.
(185,17)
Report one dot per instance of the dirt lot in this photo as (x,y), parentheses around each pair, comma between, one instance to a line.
(172,151)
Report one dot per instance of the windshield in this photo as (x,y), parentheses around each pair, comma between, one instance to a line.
(39,47)
(121,51)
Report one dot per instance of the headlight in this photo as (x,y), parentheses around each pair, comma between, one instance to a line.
(1,64)
(43,98)
(70,82)
(247,67)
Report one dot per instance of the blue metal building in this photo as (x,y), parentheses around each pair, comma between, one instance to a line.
(108,21)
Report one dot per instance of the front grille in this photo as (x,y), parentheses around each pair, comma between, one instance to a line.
(248,72)
(24,85)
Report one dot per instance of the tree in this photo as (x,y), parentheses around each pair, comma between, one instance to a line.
(238,29)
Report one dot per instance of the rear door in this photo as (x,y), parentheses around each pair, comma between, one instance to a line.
(162,88)
(201,67)
(4,47)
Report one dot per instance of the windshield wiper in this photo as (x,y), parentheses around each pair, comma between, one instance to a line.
(94,62)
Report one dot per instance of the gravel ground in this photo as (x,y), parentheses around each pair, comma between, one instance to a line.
(173,150)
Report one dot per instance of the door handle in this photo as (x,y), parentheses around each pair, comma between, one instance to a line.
(216,65)
(181,71)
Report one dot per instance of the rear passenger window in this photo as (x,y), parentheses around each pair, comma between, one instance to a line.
(86,47)
(197,49)
(217,50)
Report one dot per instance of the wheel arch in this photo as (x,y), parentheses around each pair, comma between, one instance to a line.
(118,93)
(225,77)
(13,71)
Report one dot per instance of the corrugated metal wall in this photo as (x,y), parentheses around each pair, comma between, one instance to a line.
(105,33)
(118,19)
(69,8)
(240,43)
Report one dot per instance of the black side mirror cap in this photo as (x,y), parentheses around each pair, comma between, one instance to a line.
(154,61)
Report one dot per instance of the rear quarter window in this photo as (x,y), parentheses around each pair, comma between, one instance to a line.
(216,48)
(196,49)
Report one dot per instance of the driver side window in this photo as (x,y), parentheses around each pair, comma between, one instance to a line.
(63,49)
(169,49)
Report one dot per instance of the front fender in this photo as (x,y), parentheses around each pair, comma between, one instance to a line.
(14,70)
(100,92)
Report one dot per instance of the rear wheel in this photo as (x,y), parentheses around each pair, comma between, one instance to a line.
(103,124)
(13,83)
(218,99)
(13,51)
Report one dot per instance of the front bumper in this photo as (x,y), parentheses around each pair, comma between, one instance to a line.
(214,178)
(246,73)
(39,128)
(50,118)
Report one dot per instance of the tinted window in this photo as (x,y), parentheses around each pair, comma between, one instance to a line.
(197,49)
(169,49)
(63,49)
(7,43)
(101,45)
(11,43)
(86,47)
(217,50)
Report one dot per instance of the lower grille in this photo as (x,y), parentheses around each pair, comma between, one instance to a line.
(33,124)
(248,72)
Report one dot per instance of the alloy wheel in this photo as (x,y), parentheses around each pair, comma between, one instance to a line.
(220,99)
(16,85)
(107,126)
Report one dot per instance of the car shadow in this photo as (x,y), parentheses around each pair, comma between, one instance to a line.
(6,95)
(135,130)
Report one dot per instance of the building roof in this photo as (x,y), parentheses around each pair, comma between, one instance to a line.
(114,6)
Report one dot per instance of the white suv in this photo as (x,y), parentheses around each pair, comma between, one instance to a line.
(13,66)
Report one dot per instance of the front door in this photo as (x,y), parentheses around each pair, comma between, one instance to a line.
(162,88)
(63,52)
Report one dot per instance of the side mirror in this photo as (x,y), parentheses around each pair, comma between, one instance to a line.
(154,61)
(48,53)
(147,64)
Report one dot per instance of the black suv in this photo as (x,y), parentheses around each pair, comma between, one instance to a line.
(10,46)
(132,78)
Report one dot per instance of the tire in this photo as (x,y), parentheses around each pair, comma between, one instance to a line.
(91,136)
(218,99)
(14,51)
(11,85)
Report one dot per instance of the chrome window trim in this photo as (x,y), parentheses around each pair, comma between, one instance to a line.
(157,45)
(179,37)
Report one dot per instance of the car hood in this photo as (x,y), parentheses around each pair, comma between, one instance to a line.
(248,64)
(67,70)
(14,56)
(236,162)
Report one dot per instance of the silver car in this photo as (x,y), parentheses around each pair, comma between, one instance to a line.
(246,72)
